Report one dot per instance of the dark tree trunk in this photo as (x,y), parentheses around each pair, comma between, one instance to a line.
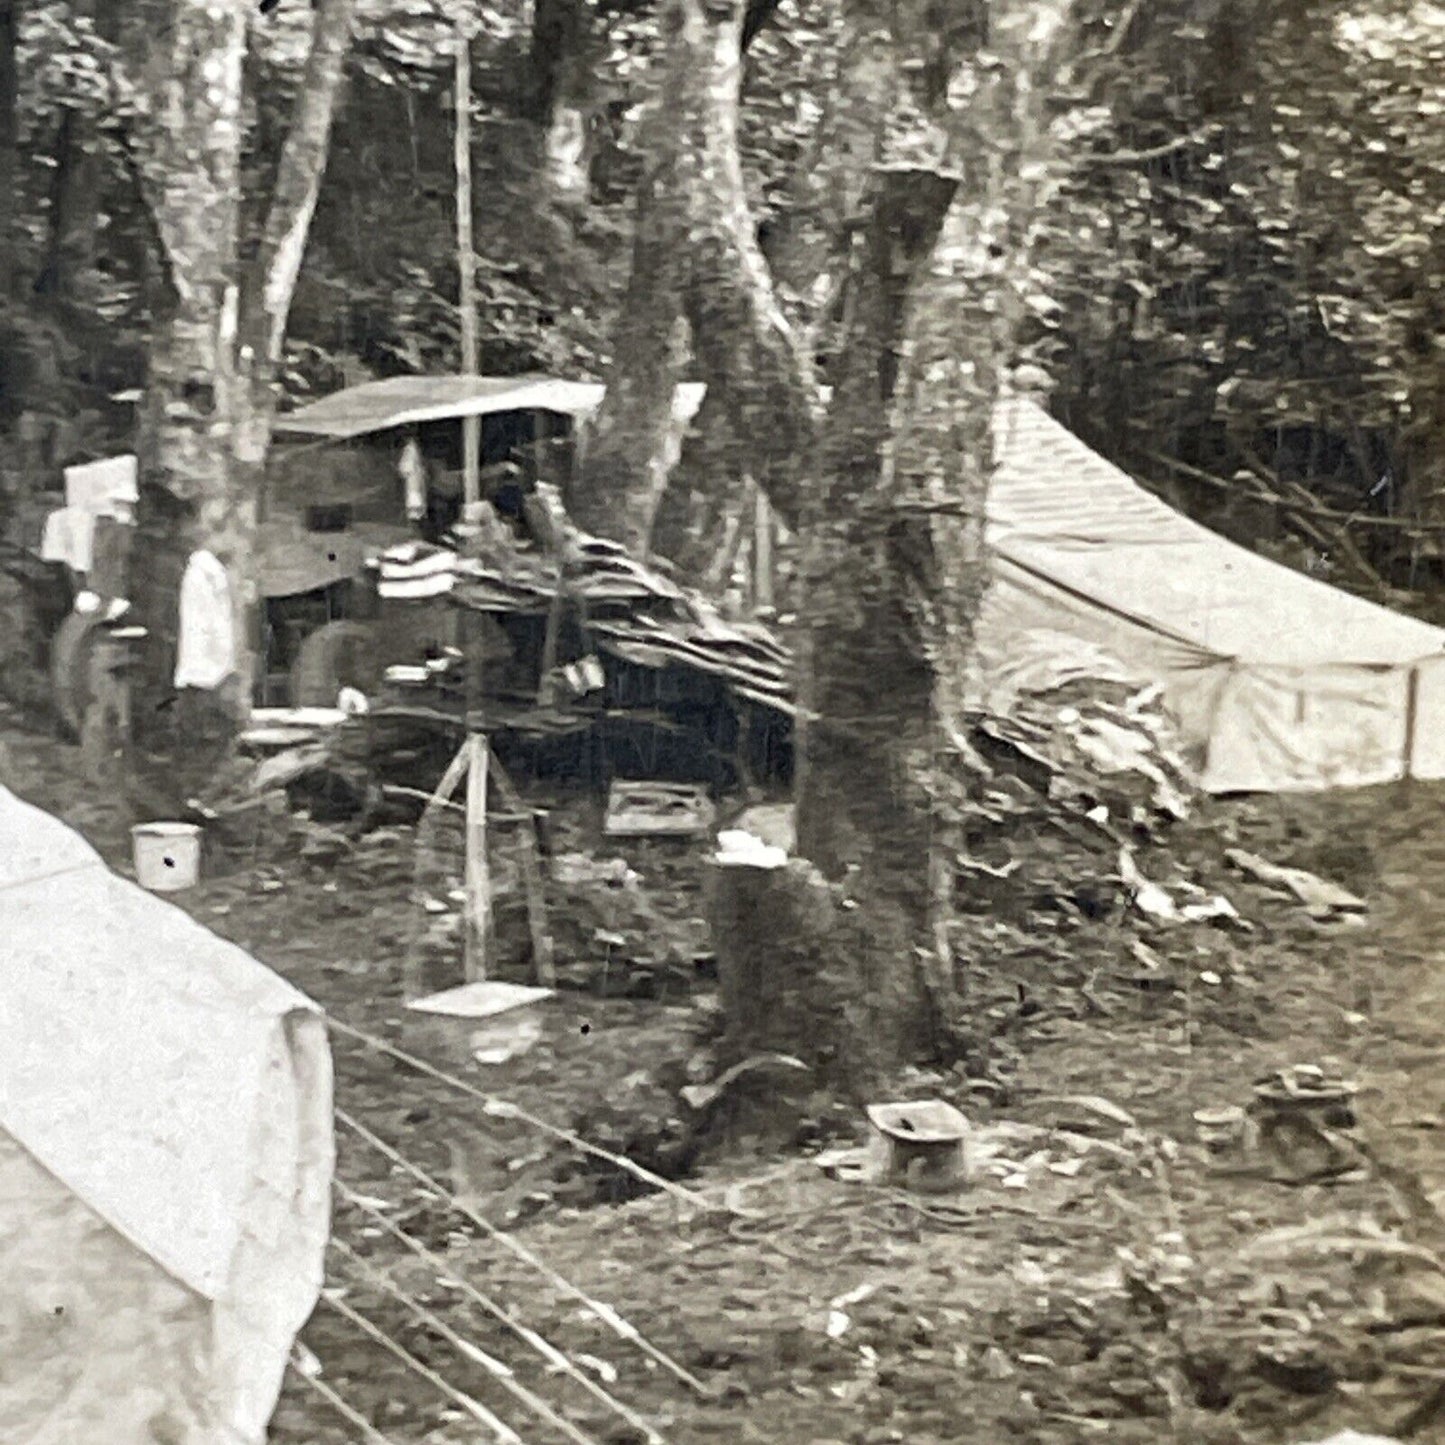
(74,215)
(704,494)
(626,451)
(894,558)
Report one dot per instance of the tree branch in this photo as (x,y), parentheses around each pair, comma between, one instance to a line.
(170,277)
(756,19)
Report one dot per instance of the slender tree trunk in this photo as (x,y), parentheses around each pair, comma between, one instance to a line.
(696,255)
(188,150)
(625,457)
(750,356)
(9,139)
(210,394)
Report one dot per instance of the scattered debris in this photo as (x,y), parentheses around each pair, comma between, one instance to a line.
(740,849)
(640,810)
(1157,903)
(703,1096)
(1322,899)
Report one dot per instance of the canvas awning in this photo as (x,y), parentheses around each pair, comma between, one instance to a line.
(378,406)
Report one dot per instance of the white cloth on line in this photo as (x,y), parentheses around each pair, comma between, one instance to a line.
(206,648)
(413,476)
(68,537)
(103,488)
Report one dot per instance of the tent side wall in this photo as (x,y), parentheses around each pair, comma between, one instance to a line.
(165,1160)
(278,1265)
(97,1342)
(1025,614)
(1305,729)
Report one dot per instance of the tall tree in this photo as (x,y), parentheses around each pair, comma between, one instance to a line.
(697,260)
(949,133)
(220,311)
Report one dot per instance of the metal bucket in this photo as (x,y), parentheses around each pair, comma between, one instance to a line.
(167,856)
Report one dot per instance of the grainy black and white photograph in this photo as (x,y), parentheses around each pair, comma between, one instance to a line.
(722,721)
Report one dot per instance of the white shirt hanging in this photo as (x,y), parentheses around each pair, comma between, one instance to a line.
(413,476)
(206,647)
(68,537)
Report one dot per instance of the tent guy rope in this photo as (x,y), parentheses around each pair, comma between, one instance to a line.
(501,1109)
(548,1351)
(500,1372)
(621,1327)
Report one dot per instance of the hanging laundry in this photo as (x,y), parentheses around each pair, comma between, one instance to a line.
(413,476)
(206,649)
(107,488)
(68,537)
(110,551)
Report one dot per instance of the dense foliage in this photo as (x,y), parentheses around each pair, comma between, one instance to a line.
(1241,268)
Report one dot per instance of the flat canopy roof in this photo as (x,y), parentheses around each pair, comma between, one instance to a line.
(377,406)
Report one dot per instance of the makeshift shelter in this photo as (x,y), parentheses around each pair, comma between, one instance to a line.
(403,401)
(1279,682)
(165,1160)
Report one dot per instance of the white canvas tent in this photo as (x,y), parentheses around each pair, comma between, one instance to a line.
(1279,681)
(165,1160)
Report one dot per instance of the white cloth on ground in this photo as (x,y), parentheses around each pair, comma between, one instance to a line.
(206,647)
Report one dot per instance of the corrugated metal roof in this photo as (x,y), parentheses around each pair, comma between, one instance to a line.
(1062,510)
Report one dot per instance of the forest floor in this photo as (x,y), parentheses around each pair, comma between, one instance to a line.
(1101,1279)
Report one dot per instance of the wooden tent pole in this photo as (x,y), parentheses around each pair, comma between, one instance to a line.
(466,254)
(478,878)
(762,552)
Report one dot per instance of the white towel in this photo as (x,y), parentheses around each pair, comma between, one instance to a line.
(69,533)
(105,488)
(413,476)
(206,649)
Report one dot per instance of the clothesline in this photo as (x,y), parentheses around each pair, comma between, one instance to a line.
(605,1313)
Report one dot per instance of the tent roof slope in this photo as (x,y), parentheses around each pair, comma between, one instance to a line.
(35,846)
(1062,510)
(135,1047)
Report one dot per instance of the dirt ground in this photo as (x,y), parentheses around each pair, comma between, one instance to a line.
(1101,1278)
